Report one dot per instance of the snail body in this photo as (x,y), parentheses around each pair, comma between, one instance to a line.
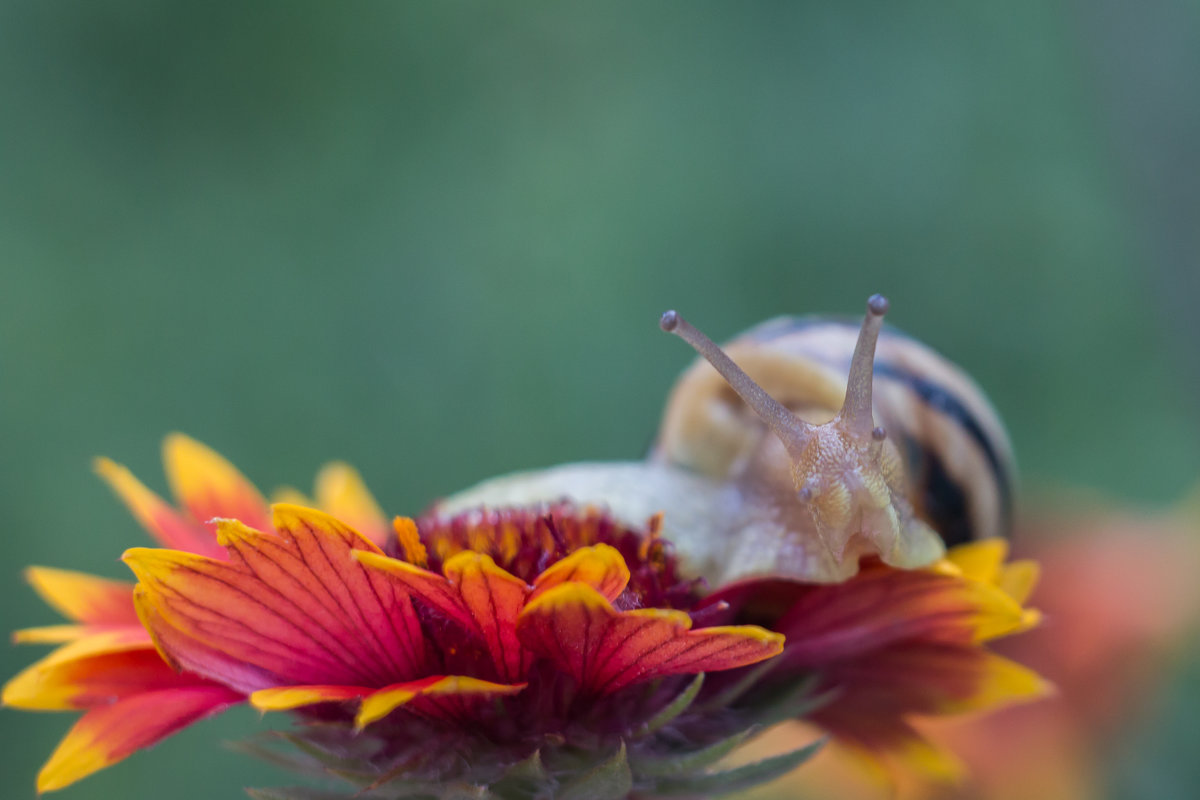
(801,447)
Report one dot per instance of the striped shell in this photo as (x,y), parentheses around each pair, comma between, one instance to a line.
(954,448)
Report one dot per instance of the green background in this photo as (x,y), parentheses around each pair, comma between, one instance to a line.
(435,240)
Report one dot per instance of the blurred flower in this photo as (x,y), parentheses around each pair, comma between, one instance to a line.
(891,646)
(1121,596)
(530,650)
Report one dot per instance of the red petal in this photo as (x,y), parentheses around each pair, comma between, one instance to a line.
(604,650)
(91,680)
(183,652)
(929,678)
(155,515)
(476,593)
(433,589)
(875,609)
(494,599)
(106,735)
(297,604)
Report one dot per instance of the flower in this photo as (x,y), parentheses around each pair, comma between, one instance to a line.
(1124,599)
(890,646)
(542,649)
(459,649)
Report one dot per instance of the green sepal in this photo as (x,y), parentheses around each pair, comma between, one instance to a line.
(296,764)
(524,780)
(610,780)
(307,793)
(738,778)
(792,702)
(392,785)
(681,763)
(326,756)
(680,704)
(728,696)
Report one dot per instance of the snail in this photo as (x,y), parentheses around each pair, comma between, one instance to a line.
(804,445)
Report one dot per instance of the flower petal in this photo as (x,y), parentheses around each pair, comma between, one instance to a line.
(162,521)
(891,748)
(289,495)
(873,699)
(97,679)
(409,539)
(341,493)
(109,640)
(106,735)
(285,698)
(295,604)
(980,560)
(600,566)
(208,486)
(183,652)
(432,588)
(881,606)
(476,593)
(574,626)
(48,683)
(931,678)
(1018,579)
(438,696)
(84,598)
(1002,682)
(52,634)
(494,599)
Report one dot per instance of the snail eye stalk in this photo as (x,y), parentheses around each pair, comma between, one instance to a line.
(794,432)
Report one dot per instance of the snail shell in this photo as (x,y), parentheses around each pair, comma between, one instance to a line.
(954,448)
(828,462)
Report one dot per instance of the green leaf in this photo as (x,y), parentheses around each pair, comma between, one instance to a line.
(687,762)
(738,778)
(611,780)
(673,709)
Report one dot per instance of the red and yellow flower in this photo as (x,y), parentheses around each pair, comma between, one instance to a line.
(1124,602)
(515,626)
(550,642)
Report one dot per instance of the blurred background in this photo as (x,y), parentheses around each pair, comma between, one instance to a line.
(435,240)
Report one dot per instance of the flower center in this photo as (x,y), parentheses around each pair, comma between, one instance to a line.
(525,541)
